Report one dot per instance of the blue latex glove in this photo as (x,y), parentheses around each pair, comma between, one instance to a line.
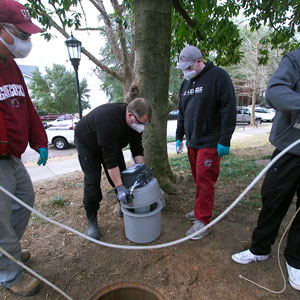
(178,142)
(122,194)
(43,156)
(222,150)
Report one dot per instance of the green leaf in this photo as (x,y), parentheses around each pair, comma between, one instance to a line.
(55,91)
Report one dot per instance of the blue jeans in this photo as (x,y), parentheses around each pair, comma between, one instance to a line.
(91,163)
(13,216)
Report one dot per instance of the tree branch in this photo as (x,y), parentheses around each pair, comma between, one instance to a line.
(191,23)
(102,66)
(97,62)
(267,8)
(122,36)
(177,6)
(132,46)
(108,28)
(91,29)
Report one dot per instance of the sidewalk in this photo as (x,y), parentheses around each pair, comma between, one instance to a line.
(53,169)
(56,168)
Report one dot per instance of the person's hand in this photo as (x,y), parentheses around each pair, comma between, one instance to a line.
(222,150)
(179,146)
(122,194)
(43,156)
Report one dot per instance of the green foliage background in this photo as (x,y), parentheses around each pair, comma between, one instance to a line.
(213,26)
(55,92)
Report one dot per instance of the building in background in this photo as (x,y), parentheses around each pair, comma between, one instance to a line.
(27,72)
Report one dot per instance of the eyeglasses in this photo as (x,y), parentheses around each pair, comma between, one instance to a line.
(139,122)
(192,65)
(16,31)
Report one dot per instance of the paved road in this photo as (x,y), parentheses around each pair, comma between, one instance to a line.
(64,161)
(31,155)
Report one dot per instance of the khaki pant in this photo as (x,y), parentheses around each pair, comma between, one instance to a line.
(13,216)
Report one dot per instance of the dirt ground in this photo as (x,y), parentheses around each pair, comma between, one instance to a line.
(200,269)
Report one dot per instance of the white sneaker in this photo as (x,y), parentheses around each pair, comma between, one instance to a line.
(246,257)
(191,216)
(196,227)
(294,276)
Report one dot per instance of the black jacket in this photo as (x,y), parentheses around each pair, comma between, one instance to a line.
(104,130)
(207,109)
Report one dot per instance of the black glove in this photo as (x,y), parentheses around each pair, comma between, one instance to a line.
(122,194)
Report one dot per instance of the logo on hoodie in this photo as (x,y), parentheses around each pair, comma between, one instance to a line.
(197,90)
(11,90)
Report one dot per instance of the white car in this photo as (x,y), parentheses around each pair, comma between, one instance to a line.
(173,114)
(67,121)
(60,137)
(264,114)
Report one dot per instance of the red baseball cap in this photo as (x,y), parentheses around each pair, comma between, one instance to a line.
(13,12)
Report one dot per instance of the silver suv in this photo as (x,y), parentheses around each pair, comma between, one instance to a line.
(243,115)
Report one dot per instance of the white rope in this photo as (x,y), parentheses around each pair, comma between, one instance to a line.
(152,246)
(34,273)
(217,219)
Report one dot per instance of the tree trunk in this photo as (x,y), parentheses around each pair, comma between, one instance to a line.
(254,93)
(152,66)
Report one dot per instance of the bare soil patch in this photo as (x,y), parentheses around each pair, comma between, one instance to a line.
(200,269)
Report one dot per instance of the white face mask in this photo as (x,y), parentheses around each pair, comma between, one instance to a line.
(19,48)
(137,127)
(189,74)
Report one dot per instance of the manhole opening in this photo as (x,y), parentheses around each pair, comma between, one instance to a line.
(127,291)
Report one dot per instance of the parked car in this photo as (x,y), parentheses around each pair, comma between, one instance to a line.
(272,110)
(173,114)
(60,137)
(49,117)
(67,121)
(265,114)
(243,116)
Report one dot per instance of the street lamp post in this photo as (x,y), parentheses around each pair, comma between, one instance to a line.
(74,51)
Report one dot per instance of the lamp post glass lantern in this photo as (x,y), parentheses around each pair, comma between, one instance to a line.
(74,51)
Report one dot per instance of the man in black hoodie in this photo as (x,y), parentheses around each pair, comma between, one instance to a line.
(100,137)
(207,117)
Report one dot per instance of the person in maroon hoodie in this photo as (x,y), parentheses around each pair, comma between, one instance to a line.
(19,124)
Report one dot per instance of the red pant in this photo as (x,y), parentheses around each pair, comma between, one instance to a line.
(205,167)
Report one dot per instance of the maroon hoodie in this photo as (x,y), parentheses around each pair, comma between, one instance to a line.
(22,123)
